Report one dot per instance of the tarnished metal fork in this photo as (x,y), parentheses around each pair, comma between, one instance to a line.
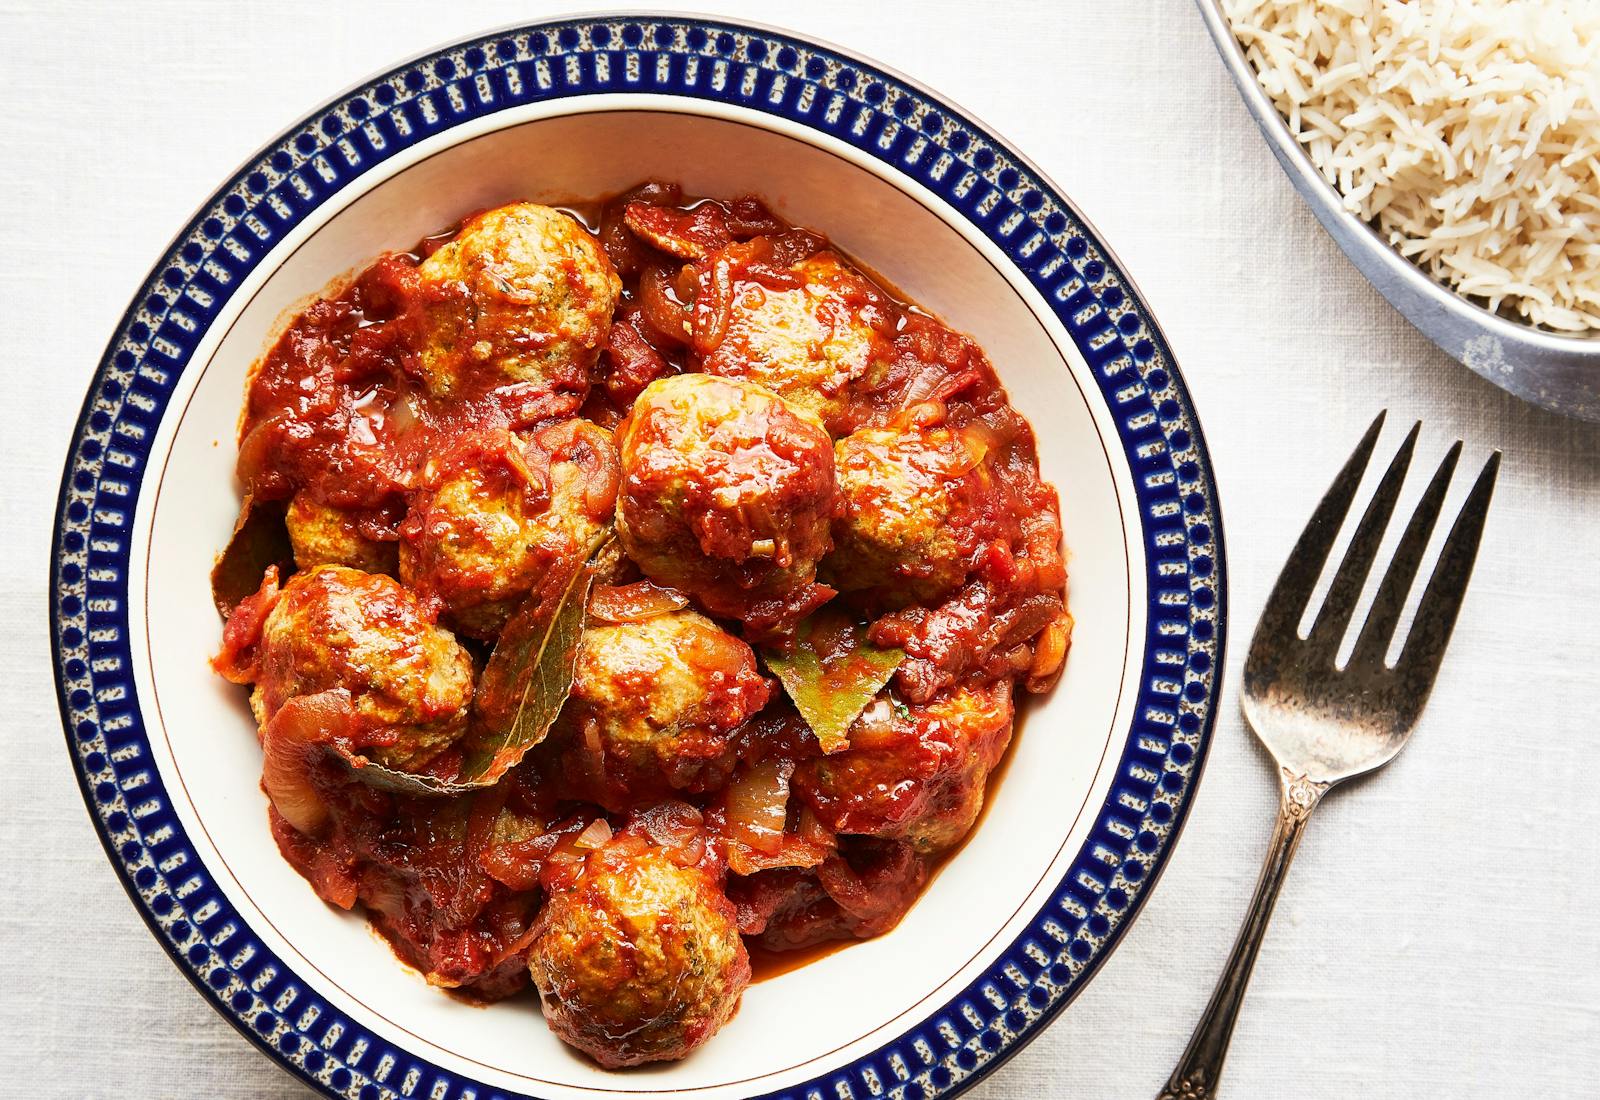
(1324,724)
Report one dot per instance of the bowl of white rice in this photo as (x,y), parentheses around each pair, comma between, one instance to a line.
(1452,148)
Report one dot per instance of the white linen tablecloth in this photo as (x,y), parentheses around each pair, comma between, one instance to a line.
(1438,936)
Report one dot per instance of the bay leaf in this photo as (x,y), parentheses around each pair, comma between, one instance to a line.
(530,670)
(260,539)
(832,674)
(523,687)
(396,781)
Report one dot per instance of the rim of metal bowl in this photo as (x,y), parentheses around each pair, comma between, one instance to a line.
(1553,370)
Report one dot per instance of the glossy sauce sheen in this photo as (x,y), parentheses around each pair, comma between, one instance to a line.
(475,437)
(766,965)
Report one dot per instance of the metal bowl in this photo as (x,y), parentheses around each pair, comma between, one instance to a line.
(1556,372)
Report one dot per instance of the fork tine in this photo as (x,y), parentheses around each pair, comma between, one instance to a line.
(1304,565)
(1436,614)
(1384,617)
(1340,604)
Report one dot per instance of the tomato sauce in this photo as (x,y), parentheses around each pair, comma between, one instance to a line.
(347,408)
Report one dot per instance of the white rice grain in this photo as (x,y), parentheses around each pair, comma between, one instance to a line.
(1466,131)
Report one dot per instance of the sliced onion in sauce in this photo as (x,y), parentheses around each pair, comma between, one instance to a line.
(661,308)
(259,449)
(713,304)
(1025,620)
(879,724)
(633,603)
(678,828)
(758,805)
(594,835)
(291,744)
(980,441)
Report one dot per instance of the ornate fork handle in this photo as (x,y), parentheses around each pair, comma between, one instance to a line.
(1195,1077)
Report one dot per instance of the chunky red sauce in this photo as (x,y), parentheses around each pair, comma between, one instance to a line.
(767,431)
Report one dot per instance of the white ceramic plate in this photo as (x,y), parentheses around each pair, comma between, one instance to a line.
(1103,767)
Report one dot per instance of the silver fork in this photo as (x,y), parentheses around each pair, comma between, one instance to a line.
(1324,724)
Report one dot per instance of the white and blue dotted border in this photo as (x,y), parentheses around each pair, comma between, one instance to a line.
(878,113)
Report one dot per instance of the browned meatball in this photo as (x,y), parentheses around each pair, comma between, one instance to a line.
(819,334)
(334,627)
(917,507)
(500,510)
(913,773)
(654,706)
(522,294)
(641,960)
(324,535)
(727,493)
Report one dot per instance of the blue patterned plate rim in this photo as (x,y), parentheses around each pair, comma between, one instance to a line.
(880,112)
